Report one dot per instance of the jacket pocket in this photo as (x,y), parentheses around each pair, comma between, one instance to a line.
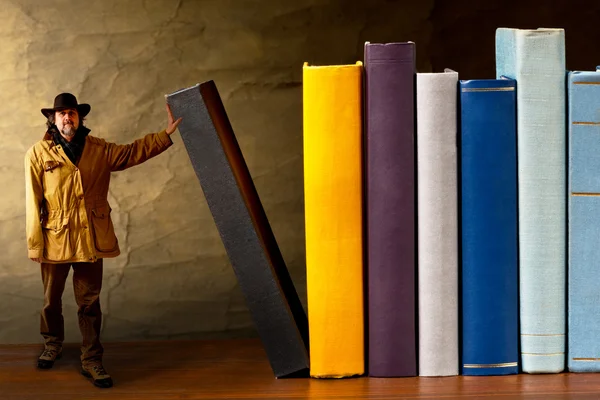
(53,179)
(105,239)
(50,165)
(58,245)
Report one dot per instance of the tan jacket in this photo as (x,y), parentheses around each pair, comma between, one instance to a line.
(68,218)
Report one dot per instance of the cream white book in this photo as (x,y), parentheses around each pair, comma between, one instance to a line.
(437,218)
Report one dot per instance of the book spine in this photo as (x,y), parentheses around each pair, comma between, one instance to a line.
(584,221)
(489,215)
(390,200)
(437,223)
(243,226)
(536,59)
(333,197)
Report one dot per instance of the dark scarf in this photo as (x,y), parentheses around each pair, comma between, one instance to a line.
(74,148)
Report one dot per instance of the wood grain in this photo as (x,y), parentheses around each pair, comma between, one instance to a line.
(239,369)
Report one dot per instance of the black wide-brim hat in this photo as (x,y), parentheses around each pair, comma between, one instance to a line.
(67,100)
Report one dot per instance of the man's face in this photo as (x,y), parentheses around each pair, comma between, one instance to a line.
(67,121)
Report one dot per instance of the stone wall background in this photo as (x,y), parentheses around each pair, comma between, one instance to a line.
(173,279)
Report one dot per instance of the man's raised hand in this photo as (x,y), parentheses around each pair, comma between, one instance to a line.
(172,125)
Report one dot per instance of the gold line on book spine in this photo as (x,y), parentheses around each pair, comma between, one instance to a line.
(586,359)
(585,194)
(586,83)
(542,334)
(500,89)
(586,123)
(503,365)
(544,354)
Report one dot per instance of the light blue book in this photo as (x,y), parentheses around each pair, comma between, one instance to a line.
(535,58)
(584,221)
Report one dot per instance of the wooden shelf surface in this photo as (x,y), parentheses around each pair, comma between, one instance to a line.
(239,369)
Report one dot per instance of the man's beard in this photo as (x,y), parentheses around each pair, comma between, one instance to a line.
(69,130)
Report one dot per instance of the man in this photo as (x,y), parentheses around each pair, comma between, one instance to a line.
(68,220)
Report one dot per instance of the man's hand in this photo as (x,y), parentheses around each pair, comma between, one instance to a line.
(172,125)
(37,260)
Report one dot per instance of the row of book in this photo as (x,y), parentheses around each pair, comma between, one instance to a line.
(442,215)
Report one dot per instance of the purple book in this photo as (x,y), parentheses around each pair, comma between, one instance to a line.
(390,208)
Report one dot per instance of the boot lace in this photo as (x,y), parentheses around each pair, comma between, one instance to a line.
(49,353)
(99,369)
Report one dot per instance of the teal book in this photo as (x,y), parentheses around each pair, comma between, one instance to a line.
(535,58)
(584,221)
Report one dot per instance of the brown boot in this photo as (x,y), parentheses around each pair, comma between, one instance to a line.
(48,356)
(99,375)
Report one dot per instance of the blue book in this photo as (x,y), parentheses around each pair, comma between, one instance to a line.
(584,221)
(535,58)
(489,237)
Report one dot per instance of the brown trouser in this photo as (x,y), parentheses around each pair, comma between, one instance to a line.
(87,283)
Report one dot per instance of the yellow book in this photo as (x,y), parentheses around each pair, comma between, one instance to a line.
(332,106)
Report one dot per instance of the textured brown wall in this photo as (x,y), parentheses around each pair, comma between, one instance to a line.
(173,279)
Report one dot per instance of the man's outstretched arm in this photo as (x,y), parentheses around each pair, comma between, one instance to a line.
(121,157)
